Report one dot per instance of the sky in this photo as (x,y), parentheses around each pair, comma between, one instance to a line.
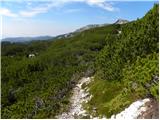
(22,18)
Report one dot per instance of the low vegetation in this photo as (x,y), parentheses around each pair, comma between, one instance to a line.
(127,67)
(124,65)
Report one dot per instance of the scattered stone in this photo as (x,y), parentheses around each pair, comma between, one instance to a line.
(79,96)
(38,102)
(151,110)
(134,85)
(146,108)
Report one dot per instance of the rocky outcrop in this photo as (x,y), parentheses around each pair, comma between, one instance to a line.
(152,110)
(121,21)
(142,109)
(87,27)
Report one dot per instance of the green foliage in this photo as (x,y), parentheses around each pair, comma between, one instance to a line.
(127,66)
(155,91)
(138,38)
(40,87)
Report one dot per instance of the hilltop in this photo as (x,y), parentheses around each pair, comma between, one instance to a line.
(121,21)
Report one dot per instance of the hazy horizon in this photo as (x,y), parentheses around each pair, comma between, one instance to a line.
(3,37)
(56,17)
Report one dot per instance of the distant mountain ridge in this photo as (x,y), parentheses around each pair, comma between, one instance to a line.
(87,27)
(90,26)
(26,39)
(121,21)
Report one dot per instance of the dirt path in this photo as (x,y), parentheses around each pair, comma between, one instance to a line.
(80,95)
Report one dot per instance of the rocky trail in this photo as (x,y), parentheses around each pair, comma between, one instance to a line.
(145,108)
(80,94)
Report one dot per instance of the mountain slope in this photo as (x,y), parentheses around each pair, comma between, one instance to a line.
(90,27)
(121,21)
(127,66)
(40,87)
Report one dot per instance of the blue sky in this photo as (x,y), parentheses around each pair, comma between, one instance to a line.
(54,17)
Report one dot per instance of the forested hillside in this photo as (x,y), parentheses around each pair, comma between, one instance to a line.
(122,58)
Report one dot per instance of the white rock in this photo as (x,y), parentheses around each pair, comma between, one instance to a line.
(133,111)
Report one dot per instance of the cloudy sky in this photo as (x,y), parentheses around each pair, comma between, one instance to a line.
(54,17)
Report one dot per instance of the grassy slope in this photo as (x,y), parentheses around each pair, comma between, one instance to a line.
(126,66)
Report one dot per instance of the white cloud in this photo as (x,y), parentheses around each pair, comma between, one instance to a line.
(102,4)
(99,3)
(7,12)
(39,9)
(50,4)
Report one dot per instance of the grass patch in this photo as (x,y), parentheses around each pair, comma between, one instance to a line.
(111,97)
